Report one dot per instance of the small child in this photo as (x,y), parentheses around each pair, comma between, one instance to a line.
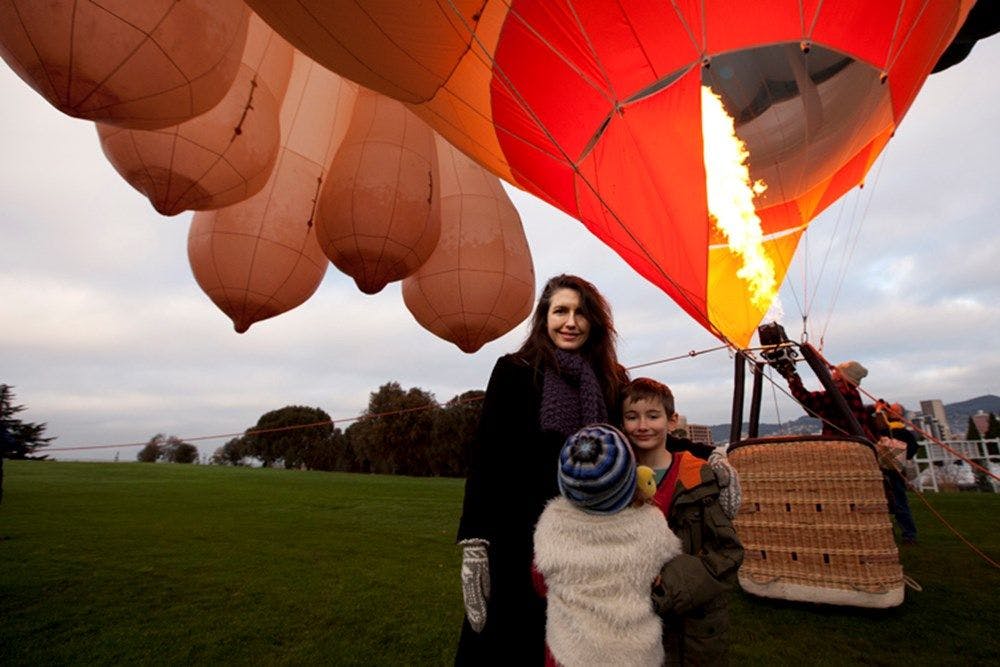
(691,596)
(598,549)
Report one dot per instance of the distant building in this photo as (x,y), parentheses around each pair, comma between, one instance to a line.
(928,426)
(693,432)
(700,433)
(982,421)
(935,409)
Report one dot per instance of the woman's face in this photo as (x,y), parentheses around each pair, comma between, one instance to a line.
(568,326)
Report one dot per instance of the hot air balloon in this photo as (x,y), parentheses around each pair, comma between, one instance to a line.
(133,64)
(259,258)
(222,156)
(378,217)
(478,284)
(598,108)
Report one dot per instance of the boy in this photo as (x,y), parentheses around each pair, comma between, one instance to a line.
(692,595)
(598,550)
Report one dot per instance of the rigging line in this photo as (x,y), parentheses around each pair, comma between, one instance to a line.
(593,51)
(928,436)
(942,445)
(853,233)
(253,431)
(687,28)
(860,224)
(774,398)
(566,61)
(854,228)
(957,534)
(691,354)
(813,289)
(809,410)
(682,294)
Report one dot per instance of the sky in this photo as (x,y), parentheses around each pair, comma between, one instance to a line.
(107,338)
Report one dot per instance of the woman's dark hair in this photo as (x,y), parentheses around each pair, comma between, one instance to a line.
(599,349)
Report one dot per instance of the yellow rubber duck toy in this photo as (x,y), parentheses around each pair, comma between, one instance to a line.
(645,481)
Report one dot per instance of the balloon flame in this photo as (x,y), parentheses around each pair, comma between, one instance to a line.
(730,198)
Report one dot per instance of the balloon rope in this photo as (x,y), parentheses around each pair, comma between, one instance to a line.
(979,552)
(326,422)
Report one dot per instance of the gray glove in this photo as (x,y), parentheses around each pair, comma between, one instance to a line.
(731,496)
(475,581)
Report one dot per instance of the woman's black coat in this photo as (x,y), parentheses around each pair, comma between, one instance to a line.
(512,475)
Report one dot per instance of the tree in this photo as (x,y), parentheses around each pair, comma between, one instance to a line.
(453,433)
(18,439)
(21,439)
(232,453)
(167,448)
(992,427)
(394,436)
(972,431)
(176,450)
(992,433)
(330,453)
(288,435)
(152,451)
(345,458)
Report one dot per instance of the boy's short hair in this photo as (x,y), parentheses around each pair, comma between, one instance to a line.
(649,389)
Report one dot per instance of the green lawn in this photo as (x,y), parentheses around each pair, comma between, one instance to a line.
(142,563)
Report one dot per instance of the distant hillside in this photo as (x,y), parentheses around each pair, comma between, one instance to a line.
(959,413)
(958,419)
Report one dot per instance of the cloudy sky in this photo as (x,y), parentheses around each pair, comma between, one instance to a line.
(107,338)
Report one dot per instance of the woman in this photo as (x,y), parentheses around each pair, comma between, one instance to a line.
(565,376)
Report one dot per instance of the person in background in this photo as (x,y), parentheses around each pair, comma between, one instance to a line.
(565,376)
(889,422)
(847,378)
(599,546)
(692,597)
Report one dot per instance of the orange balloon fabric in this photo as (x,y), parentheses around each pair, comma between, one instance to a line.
(222,156)
(479,283)
(596,108)
(259,258)
(378,218)
(133,64)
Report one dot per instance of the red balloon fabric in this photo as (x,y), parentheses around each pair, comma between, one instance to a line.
(597,108)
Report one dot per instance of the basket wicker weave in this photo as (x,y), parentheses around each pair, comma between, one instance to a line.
(815,523)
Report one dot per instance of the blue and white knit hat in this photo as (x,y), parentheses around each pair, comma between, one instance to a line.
(597,470)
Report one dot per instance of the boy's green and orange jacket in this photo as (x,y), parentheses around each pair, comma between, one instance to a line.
(689,495)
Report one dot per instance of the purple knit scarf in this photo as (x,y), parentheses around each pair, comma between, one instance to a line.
(571,395)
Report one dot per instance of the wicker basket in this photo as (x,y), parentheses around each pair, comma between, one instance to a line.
(815,522)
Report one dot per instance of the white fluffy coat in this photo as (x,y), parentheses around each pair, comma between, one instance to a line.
(599,570)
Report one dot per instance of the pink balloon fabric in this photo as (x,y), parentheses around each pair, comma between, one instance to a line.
(259,258)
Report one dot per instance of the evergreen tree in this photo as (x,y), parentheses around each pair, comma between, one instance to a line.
(18,439)
(992,427)
(993,433)
(972,432)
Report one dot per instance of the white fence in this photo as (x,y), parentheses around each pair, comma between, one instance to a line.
(940,470)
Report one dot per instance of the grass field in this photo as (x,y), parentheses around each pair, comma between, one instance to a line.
(167,564)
